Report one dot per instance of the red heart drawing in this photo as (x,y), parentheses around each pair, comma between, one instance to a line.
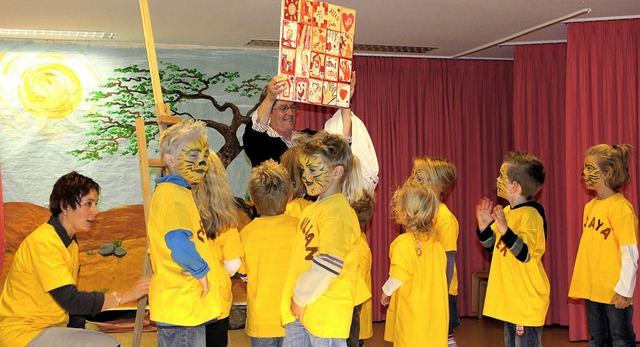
(343,94)
(347,21)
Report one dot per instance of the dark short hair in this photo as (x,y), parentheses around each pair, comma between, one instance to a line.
(527,170)
(69,190)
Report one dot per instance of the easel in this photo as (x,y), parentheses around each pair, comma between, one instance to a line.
(165,119)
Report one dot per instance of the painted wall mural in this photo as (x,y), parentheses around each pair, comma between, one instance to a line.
(67,107)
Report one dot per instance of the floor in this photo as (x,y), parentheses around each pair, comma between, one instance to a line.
(474,332)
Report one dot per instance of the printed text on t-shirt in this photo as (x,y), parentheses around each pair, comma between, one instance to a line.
(596,225)
(308,236)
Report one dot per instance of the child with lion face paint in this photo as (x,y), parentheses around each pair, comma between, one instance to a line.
(183,296)
(606,264)
(518,289)
(319,292)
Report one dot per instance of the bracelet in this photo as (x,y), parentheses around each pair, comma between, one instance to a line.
(117,297)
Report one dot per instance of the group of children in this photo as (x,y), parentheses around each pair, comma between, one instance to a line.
(307,262)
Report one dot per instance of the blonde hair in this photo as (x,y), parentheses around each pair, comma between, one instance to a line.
(415,206)
(436,173)
(613,161)
(290,160)
(527,170)
(176,136)
(214,199)
(270,187)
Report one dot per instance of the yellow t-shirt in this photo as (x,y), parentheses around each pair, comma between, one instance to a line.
(174,297)
(607,225)
(296,206)
(226,246)
(327,227)
(363,295)
(418,314)
(518,292)
(267,243)
(446,225)
(40,264)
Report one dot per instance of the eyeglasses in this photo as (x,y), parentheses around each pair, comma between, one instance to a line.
(292,107)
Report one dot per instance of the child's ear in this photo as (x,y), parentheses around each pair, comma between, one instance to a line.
(338,171)
(517,187)
(169,160)
(290,198)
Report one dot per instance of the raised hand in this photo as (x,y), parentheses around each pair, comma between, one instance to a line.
(483,213)
(277,85)
(499,217)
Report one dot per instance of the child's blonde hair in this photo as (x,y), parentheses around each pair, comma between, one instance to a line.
(214,199)
(176,136)
(613,161)
(436,173)
(290,160)
(527,170)
(415,206)
(270,188)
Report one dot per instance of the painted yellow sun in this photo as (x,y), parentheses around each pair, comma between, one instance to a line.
(50,90)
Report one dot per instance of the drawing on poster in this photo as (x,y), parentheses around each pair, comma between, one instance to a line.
(316,52)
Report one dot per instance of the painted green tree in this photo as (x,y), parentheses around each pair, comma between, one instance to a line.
(128,94)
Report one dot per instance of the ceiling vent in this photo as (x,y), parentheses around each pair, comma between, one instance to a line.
(357,47)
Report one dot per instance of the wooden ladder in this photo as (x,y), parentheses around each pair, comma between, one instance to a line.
(165,119)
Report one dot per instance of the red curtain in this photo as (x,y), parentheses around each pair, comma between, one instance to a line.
(460,110)
(603,61)
(539,128)
(564,98)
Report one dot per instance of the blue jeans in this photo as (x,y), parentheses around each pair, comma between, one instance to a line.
(178,336)
(296,335)
(454,318)
(609,326)
(266,341)
(526,337)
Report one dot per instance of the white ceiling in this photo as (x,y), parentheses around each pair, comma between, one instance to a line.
(453,26)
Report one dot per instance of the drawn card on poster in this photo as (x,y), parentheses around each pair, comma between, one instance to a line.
(316,52)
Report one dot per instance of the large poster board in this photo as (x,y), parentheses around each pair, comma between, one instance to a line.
(316,52)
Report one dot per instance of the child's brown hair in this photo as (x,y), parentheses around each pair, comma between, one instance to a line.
(527,170)
(613,161)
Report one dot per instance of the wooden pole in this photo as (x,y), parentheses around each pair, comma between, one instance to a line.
(164,118)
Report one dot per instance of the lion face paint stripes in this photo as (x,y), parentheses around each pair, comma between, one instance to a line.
(591,173)
(192,161)
(315,174)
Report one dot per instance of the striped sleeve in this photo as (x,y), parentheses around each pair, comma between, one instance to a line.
(329,263)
